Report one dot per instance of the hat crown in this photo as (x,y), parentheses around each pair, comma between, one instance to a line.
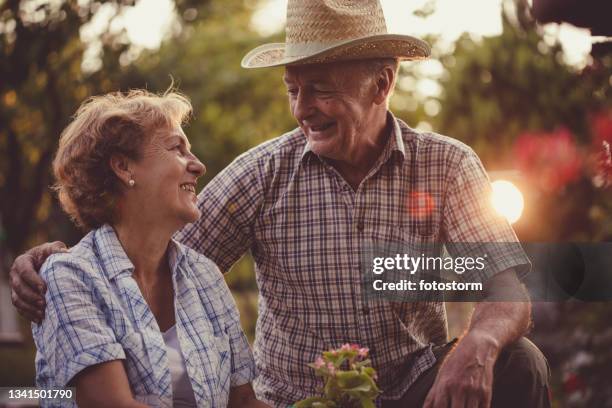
(331,21)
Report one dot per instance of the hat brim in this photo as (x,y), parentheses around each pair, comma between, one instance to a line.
(403,47)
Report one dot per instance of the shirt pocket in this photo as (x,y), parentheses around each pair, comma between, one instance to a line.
(397,254)
(391,240)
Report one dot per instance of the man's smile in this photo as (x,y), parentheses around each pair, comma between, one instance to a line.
(319,129)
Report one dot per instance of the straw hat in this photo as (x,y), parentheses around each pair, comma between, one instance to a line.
(333,30)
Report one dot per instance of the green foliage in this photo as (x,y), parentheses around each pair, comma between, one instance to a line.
(501,86)
(42,84)
(497,88)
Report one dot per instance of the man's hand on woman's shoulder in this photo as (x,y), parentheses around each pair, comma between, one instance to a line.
(27,287)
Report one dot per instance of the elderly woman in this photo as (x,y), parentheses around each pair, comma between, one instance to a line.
(135,318)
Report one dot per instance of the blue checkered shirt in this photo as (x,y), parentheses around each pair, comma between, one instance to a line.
(96,313)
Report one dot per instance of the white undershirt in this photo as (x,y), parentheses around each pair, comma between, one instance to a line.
(182,393)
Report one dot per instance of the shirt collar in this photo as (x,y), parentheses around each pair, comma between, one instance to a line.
(395,142)
(115,261)
(176,256)
(112,255)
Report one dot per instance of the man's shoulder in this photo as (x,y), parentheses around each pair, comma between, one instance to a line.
(434,149)
(289,145)
(433,140)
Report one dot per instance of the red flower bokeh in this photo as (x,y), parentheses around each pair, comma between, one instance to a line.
(602,128)
(550,160)
(572,383)
(601,158)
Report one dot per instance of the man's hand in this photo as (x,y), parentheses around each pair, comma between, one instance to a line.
(465,378)
(27,288)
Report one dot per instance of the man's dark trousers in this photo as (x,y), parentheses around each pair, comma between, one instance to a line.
(521,379)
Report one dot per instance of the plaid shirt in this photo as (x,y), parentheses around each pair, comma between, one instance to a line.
(96,313)
(306,228)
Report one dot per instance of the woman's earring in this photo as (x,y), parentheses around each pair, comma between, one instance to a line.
(131,182)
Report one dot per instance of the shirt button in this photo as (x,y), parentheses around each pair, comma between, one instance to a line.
(365,310)
(360,226)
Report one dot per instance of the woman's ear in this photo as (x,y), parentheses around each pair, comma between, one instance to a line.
(121,166)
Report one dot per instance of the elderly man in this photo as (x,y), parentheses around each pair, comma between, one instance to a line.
(308,202)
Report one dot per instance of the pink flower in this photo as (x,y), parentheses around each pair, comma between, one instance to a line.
(363,352)
(345,347)
(331,368)
(319,362)
(355,347)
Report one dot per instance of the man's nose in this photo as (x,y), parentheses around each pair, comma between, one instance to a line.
(303,106)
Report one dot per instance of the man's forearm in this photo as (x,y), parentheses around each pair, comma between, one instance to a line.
(499,323)
(504,315)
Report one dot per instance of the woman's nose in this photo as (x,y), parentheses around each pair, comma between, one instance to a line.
(196,167)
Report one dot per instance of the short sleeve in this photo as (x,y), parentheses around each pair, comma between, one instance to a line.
(243,368)
(74,334)
(229,204)
(472,227)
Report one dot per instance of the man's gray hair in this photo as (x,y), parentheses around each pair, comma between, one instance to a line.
(373,67)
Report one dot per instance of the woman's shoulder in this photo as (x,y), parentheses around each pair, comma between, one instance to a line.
(76,263)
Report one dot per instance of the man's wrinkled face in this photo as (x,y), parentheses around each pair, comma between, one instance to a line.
(332,104)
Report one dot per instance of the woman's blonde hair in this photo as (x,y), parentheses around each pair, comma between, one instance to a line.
(115,123)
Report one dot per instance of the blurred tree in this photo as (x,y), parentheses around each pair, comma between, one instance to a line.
(497,88)
(500,86)
(41,58)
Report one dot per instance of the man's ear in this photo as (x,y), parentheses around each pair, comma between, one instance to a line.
(121,166)
(384,84)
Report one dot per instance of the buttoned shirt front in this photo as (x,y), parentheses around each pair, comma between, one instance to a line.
(306,228)
(96,313)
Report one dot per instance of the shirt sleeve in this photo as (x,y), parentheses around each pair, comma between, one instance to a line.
(243,368)
(74,334)
(229,204)
(243,363)
(473,228)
